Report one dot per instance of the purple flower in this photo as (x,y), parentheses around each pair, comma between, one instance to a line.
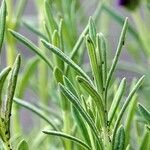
(129,4)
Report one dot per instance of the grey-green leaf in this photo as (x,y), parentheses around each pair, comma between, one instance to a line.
(92,30)
(116,100)
(2,22)
(36,110)
(125,105)
(65,58)
(119,48)
(32,47)
(3,76)
(23,145)
(73,99)
(11,87)
(144,112)
(94,63)
(95,96)
(69,137)
(119,143)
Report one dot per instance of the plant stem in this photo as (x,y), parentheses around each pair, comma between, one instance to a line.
(11,44)
(66,128)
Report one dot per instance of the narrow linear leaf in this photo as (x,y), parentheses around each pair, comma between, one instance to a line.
(73,99)
(52,25)
(59,79)
(36,110)
(148,127)
(145,145)
(2,22)
(56,42)
(85,31)
(58,74)
(60,30)
(65,58)
(82,35)
(129,118)
(70,86)
(128,147)
(92,30)
(11,88)
(116,100)
(101,46)
(94,63)
(28,72)
(3,76)
(76,114)
(144,112)
(32,47)
(120,45)
(125,105)
(20,7)
(119,139)
(69,137)
(93,93)
(23,145)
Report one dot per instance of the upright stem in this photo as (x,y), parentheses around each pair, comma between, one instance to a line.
(66,129)
(10,42)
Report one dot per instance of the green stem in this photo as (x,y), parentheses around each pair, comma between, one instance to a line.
(11,44)
(66,128)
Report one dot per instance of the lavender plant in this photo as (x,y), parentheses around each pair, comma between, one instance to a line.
(91,107)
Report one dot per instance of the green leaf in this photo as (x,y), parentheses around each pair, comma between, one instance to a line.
(73,99)
(11,88)
(95,96)
(35,110)
(23,145)
(32,47)
(119,143)
(70,86)
(59,79)
(130,118)
(68,137)
(66,59)
(145,113)
(101,46)
(94,63)
(19,10)
(28,72)
(60,30)
(58,74)
(92,30)
(85,31)
(78,118)
(52,25)
(57,42)
(125,105)
(3,76)
(120,45)
(145,145)
(116,100)
(2,22)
